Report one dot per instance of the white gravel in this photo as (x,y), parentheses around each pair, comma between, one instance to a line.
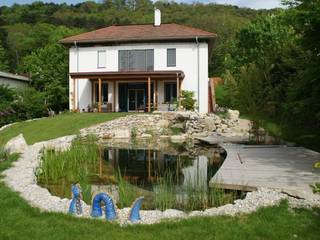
(21,178)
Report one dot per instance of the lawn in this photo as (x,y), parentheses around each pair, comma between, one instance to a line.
(18,220)
(61,125)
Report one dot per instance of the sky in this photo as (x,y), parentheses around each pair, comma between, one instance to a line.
(256,4)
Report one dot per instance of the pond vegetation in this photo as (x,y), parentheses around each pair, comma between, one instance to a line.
(167,179)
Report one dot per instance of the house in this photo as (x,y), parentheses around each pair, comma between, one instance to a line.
(138,67)
(14,80)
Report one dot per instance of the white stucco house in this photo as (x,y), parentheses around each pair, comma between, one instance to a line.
(138,67)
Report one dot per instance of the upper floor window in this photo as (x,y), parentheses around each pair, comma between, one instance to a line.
(102,61)
(171,57)
(136,60)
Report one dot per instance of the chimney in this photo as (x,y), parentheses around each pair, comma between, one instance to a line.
(157,17)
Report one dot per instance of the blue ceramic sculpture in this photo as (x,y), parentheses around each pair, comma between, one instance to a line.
(134,214)
(110,210)
(76,205)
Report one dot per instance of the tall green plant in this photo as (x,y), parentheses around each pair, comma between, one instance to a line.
(187,100)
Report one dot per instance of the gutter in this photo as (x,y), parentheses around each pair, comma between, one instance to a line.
(77,49)
(198,74)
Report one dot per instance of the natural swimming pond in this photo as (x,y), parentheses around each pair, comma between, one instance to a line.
(168,175)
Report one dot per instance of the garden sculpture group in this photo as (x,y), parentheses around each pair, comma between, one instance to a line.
(110,211)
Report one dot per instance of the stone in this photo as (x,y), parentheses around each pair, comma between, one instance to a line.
(122,133)
(146,136)
(178,138)
(209,124)
(233,115)
(164,136)
(178,125)
(182,116)
(16,145)
(169,115)
(217,121)
(163,123)
(224,126)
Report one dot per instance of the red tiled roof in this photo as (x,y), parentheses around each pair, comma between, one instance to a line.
(145,32)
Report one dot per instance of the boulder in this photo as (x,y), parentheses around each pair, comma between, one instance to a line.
(163,123)
(146,136)
(170,116)
(16,145)
(209,124)
(122,133)
(233,115)
(182,116)
(178,138)
(163,137)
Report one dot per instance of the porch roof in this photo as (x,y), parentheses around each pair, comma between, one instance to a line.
(132,75)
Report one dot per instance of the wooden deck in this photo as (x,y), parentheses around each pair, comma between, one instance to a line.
(289,169)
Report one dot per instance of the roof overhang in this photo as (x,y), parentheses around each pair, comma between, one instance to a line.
(16,77)
(132,75)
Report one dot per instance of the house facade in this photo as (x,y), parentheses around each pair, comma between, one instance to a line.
(138,67)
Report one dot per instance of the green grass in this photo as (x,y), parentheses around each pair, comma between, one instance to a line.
(61,125)
(18,220)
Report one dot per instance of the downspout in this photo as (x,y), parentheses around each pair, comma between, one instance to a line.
(77,49)
(198,75)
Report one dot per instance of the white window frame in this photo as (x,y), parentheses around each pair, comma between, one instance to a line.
(175,57)
(102,60)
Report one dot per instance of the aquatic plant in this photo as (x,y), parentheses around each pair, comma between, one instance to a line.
(165,195)
(127,193)
(73,165)
(134,132)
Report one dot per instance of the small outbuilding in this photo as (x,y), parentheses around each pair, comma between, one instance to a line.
(14,80)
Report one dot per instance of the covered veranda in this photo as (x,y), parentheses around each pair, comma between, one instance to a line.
(151,81)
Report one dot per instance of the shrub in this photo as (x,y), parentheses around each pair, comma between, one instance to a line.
(187,100)
(20,104)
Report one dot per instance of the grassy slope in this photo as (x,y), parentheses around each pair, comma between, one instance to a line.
(49,128)
(20,221)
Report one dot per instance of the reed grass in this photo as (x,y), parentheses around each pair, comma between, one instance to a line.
(73,165)
(190,196)
(127,193)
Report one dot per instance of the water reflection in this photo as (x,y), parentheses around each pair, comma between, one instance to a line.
(144,167)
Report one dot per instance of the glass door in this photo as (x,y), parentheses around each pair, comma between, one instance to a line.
(132,99)
(136,99)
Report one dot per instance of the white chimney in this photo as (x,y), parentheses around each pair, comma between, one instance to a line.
(157,17)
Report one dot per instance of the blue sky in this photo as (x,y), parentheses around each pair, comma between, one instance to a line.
(256,4)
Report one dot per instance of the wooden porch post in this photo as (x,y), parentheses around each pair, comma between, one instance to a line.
(178,90)
(149,94)
(114,96)
(156,94)
(74,95)
(100,102)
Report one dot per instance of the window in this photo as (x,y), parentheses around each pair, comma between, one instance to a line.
(136,60)
(170,93)
(171,57)
(102,59)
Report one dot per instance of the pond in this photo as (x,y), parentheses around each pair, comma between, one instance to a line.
(168,175)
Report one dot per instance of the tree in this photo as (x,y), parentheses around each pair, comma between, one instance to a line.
(4,63)
(49,70)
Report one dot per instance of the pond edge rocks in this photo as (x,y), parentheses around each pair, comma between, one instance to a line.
(21,177)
